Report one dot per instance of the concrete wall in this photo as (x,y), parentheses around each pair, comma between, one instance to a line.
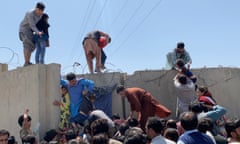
(223,83)
(35,87)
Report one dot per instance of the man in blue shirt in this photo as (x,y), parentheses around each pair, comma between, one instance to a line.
(77,89)
(189,122)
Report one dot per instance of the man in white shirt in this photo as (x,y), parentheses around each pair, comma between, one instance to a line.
(185,90)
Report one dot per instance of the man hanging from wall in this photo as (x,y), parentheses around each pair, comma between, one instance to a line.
(93,45)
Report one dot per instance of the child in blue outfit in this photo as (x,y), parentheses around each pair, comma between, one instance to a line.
(41,41)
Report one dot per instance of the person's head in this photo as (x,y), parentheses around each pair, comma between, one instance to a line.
(133,122)
(39,8)
(12,140)
(180,63)
(30,139)
(202,90)
(70,134)
(189,121)
(205,124)
(121,90)
(4,135)
(180,47)
(136,139)
(233,129)
(154,127)
(99,126)
(45,17)
(123,128)
(133,131)
(171,133)
(100,139)
(196,107)
(71,77)
(64,89)
(21,119)
(171,123)
(182,79)
(50,135)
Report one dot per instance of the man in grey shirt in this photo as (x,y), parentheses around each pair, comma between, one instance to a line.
(178,53)
(28,28)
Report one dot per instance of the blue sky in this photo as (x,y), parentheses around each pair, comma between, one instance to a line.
(142,31)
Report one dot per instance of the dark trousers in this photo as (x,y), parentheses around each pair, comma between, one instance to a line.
(103,58)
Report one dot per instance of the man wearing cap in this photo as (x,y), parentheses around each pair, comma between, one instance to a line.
(233,131)
(27,28)
(178,53)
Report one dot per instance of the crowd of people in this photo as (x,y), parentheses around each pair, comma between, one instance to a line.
(199,119)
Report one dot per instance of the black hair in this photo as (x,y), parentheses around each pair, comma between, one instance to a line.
(205,124)
(182,79)
(70,76)
(180,45)
(189,120)
(30,139)
(136,139)
(120,88)
(4,132)
(155,123)
(133,131)
(171,123)
(171,133)
(99,126)
(50,135)
(109,39)
(132,122)
(198,107)
(64,87)
(40,6)
(231,125)
(100,139)
(11,140)
(122,128)
(180,63)
(70,135)
(21,119)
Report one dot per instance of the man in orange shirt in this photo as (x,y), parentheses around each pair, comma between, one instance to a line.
(143,104)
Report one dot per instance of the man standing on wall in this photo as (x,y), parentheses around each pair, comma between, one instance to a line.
(27,28)
(93,44)
(178,53)
(143,104)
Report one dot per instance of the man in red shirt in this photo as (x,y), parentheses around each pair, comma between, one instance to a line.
(103,41)
(143,104)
